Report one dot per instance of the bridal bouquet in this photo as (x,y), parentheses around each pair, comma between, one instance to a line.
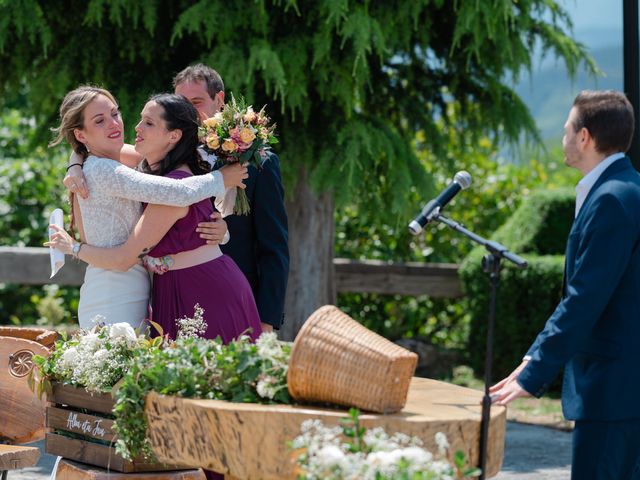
(239,134)
(323,453)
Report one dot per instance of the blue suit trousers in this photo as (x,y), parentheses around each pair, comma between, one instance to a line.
(606,450)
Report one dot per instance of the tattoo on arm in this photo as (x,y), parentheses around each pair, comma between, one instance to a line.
(144,252)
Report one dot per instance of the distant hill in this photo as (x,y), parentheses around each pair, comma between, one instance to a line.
(549,93)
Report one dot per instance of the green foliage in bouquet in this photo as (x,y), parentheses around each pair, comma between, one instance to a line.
(323,454)
(241,371)
(526,298)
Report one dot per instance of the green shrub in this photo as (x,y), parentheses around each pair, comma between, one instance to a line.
(497,190)
(30,188)
(526,298)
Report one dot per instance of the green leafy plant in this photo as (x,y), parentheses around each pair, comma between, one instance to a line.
(241,371)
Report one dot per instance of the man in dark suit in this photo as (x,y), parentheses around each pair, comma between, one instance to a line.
(594,332)
(259,241)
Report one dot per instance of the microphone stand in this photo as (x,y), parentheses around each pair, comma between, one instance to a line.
(491,264)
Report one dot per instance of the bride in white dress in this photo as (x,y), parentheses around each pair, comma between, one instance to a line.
(91,123)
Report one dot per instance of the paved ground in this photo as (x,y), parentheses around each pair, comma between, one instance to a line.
(40,472)
(531,453)
(536,453)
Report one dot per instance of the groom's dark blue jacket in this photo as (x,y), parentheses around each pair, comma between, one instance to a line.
(595,330)
(259,241)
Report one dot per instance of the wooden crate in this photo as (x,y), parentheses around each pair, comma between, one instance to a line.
(80,429)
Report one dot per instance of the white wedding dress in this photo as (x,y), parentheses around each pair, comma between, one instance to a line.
(108,216)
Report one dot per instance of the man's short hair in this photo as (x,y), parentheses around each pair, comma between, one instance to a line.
(202,73)
(608,116)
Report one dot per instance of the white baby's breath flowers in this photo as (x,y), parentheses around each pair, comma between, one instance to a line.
(91,340)
(325,455)
(331,455)
(97,359)
(194,327)
(442,442)
(266,387)
(268,346)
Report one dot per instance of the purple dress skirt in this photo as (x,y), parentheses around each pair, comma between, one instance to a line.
(218,286)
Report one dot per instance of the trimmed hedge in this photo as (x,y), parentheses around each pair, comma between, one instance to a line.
(538,231)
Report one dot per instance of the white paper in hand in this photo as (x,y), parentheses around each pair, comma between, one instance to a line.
(56,256)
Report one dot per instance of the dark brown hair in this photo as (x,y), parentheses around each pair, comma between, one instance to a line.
(179,114)
(608,116)
(201,73)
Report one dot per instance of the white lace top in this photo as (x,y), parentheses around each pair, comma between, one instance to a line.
(116,192)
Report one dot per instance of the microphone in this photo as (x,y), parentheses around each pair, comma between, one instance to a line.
(461,181)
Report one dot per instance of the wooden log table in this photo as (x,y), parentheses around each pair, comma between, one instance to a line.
(14,457)
(248,441)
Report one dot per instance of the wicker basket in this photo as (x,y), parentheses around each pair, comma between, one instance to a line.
(335,359)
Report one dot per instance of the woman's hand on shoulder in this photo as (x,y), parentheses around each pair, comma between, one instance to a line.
(75,182)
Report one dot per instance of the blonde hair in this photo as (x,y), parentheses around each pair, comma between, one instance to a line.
(72,115)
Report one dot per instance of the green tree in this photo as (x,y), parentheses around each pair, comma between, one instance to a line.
(349,84)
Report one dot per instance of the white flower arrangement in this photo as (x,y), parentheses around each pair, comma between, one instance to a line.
(94,359)
(370,455)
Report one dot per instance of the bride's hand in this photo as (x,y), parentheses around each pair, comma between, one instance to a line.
(60,240)
(233,175)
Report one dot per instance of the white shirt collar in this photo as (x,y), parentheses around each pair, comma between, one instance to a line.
(210,158)
(588,181)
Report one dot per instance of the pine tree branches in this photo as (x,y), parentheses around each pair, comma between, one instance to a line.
(349,83)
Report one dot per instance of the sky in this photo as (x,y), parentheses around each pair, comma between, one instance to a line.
(593,16)
(598,25)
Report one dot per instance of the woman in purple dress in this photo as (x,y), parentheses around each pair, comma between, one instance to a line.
(187,271)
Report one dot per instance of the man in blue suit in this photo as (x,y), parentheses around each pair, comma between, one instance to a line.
(594,332)
(259,241)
